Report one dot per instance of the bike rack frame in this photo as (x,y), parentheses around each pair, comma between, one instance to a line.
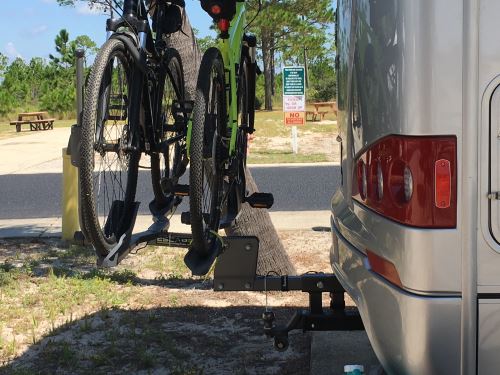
(235,270)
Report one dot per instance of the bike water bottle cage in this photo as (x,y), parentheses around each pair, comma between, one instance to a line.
(219,9)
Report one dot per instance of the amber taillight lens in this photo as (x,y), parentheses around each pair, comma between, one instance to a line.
(419,180)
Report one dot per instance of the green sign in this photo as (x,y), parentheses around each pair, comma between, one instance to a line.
(293,81)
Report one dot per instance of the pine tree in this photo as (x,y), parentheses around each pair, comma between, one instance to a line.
(287,28)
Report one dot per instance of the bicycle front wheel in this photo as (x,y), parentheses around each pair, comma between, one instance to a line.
(109,161)
(208,151)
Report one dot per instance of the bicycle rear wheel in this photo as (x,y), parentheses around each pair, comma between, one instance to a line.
(168,164)
(109,164)
(208,151)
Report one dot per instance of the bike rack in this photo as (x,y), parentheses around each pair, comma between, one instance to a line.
(235,270)
(157,234)
(236,264)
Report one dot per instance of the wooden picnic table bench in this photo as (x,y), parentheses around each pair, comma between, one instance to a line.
(318,114)
(36,121)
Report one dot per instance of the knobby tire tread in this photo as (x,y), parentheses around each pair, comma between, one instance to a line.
(86,170)
(210,58)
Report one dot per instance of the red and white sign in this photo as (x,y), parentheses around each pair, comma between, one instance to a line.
(294,103)
(294,118)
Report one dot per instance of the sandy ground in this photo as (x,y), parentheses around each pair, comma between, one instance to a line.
(148,317)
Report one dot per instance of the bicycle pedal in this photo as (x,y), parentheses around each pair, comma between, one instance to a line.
(260,200)
(181,190)
(182,109)
(166,185)
(186,218)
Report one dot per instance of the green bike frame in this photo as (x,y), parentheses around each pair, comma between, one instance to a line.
(230,49)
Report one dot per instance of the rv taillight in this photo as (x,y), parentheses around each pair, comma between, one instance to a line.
(410,179)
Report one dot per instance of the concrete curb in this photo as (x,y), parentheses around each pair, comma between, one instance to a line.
(51,227)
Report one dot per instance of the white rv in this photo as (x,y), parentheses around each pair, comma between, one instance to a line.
(416,222)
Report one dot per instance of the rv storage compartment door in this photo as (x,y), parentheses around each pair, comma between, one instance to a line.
(489,336)
(494,166)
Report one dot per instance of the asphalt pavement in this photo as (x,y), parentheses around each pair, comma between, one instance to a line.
(295,188)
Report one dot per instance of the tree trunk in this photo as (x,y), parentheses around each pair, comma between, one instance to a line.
(273,74)
(257,222)
(185,43)
(267,57)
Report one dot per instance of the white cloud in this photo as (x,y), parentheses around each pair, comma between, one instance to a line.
(11,51)
(38,30)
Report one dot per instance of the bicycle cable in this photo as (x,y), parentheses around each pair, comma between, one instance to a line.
(256,15)
(119,10)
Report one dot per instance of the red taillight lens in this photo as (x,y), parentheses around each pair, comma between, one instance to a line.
(215,10)
(411,180)
(223,25)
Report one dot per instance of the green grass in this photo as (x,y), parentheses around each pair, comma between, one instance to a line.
(169,265)
(41,292)
(7,130)
(55,296)
(270,124)
(275,157)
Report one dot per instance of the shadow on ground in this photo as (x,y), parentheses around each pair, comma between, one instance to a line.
(163,340)
(59,314)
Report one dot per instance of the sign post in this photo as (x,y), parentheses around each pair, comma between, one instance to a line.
(294,100)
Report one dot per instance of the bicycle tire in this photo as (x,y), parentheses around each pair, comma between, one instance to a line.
(251,82)
(207,153)
(167,164)
(244,122)
(105,131)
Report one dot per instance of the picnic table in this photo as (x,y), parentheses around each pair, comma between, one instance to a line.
(36,120)
(318,114)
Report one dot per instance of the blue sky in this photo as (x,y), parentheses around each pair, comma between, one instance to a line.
(29,27)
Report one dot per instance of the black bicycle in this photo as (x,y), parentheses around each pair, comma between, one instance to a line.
(134,105)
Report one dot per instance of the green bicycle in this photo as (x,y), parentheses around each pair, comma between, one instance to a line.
(223,116)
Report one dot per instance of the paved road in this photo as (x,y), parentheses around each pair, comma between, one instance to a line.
(295,188)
